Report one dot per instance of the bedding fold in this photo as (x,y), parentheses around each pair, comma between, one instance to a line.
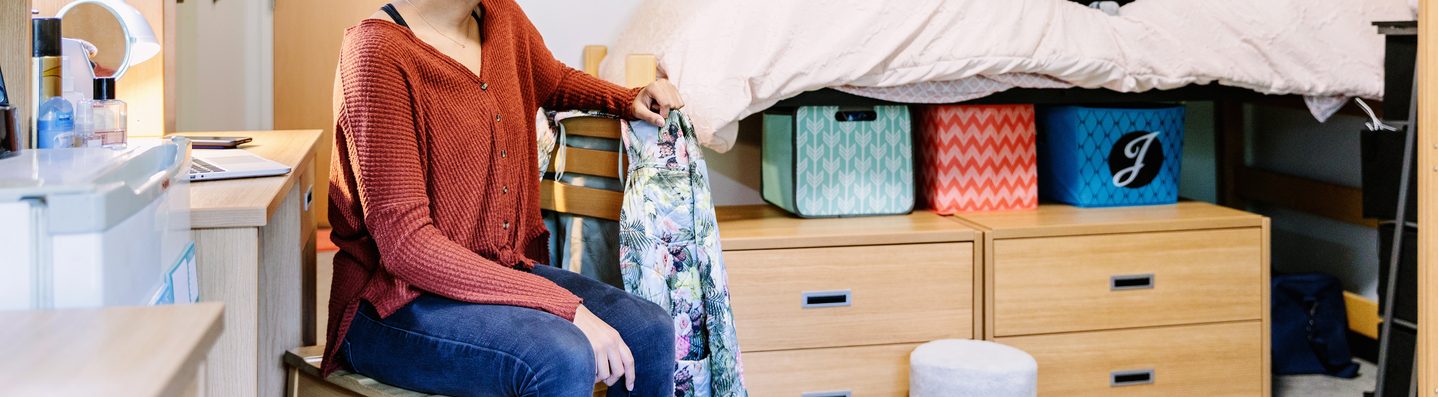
(735,58)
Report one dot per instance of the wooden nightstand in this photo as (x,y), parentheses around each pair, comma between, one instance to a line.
(835,305)
(1158,300)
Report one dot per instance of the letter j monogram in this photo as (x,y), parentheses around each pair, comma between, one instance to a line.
(1135,150)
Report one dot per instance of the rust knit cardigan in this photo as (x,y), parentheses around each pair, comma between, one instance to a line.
(434,183)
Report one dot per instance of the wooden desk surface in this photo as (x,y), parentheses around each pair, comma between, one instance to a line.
(133,351)
(1059,219)
(249,202)
(766,227)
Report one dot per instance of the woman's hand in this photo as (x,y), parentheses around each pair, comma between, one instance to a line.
(655,101)
(611,356)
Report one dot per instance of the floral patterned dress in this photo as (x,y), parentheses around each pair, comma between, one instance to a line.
(669,253)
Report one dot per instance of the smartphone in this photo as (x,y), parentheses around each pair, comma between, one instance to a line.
(218,142)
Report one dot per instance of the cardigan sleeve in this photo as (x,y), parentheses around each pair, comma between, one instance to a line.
(564,88)
(378,127)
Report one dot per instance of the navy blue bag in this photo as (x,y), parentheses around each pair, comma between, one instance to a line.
(1310,326)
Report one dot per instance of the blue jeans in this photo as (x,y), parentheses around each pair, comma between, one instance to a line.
(442,346)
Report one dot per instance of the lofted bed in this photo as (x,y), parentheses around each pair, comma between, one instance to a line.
(1238,183)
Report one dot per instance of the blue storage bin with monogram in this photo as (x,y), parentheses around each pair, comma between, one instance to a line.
(1110,156)
(827,161)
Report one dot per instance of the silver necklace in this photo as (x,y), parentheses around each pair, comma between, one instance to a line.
(419,12)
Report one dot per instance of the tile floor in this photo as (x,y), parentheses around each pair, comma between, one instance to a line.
(1325,386)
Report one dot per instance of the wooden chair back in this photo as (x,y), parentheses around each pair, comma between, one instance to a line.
(561,197)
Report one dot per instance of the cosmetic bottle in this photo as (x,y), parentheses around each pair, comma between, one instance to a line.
(103,118)
(85,124)
(55,128)
(45,61)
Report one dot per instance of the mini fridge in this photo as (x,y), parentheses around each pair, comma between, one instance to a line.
(92,227)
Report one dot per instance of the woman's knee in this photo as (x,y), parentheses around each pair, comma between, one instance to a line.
(660,320)
(653,324)
(563,353)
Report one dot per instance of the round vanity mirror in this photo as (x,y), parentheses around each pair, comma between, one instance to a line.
(118,35)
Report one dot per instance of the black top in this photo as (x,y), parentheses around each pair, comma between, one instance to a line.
(394,15)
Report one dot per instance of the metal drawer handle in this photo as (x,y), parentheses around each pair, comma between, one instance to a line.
(818,299)
(836,393)
(1131,281)
(309,196)
(1131,378)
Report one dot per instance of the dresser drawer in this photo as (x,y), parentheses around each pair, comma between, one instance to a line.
(846,296)
(1223,359)
(1083,283)
(847,371)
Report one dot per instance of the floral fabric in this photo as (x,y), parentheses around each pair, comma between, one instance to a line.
(669,253)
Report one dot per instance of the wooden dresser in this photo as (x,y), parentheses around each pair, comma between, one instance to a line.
(1154,301)
(255,252)
(832,307)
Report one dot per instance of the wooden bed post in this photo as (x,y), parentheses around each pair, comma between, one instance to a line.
(1427,147)
(1229,141)
(640,70)
(593,55)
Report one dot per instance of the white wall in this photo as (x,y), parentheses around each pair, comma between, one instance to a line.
(568,26)
(225,66)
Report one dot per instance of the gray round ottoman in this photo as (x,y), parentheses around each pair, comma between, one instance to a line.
(963,368)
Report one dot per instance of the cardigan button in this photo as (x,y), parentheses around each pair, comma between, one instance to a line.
(506,225)
(504,153)
(506,189)
(484,86)
(496,118)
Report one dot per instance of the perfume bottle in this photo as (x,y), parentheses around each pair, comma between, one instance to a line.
(103,118)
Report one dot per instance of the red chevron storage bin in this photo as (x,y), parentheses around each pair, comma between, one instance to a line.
(978,158)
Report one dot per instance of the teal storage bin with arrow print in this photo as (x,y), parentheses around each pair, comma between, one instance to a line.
(831,161)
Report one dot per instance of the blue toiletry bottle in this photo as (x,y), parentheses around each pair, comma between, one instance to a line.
(56,125)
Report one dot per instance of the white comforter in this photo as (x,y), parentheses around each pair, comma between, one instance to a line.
(734,58)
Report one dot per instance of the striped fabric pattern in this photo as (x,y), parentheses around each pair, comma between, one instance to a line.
(978,158)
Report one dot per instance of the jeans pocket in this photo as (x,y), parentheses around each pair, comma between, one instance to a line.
(349,360)
(360,327)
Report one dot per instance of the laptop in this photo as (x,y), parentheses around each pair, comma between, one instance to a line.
(212,164)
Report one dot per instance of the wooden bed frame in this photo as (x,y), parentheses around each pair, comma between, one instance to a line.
(1427,370)
(1237,183)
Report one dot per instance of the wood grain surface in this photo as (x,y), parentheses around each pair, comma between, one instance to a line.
(1062,284)
(1065,220)
(863,371)
(764,227)
(898,294)
(249,202)
(1211,360)
(137,351)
